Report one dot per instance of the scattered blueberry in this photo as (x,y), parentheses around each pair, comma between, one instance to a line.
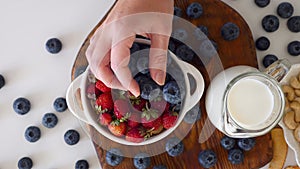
(21,105)
(207,50)
(172,46)
(236,156)
(285,10)
(141,161)
(227,142)
(270,23)
(171,92)
(194,10)
(180,34)
(207,158)
(114,157)
(2,81)
(193,115)
(262,43)
(199,34)
(185,53)
(149,89)
(269,59)
(294,48)
(262,3)
(230,31)
(177,11)
(53,45)
(246,143)
(71,137)
(293,24)
(81,164)
(60,104)
(203,28)
(25,163)
(32,134)
(174,147)
(49,120)
(160,167)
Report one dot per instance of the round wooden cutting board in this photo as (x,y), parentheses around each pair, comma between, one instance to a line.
(240,51)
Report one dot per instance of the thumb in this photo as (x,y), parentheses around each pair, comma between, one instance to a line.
(158,58)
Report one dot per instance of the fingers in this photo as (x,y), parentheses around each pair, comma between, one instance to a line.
(158,58)
(120,57)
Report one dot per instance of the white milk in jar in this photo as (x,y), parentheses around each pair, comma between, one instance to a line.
(250,102)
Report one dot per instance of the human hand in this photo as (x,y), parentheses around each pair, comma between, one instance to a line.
(109,51)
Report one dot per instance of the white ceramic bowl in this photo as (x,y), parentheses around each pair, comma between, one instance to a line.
(288,134)
(89,116)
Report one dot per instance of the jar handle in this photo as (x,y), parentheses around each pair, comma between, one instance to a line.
(278,69)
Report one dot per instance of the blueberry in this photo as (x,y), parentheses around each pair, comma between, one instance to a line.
(246,143)
(81,164)
(134,48)
(294,48)
(171,92)
(60,104)
(149,89)
(230,31)
(194,10)
(262,43)
(207,50)
(160,167)
(192,115)
(114,157)
(53,45)
(180,34)
(49,120)
(204,29)
(285,10)
(25,163)
(293,24)
(172,45)
(227,142)
(270,23)
(185,53)
(177,11)
(71,137)
(262,3)
(236,156)
(32,134)
(141,161)
(2,81)
(174,147)
(200,35)
(269,59)
(142,63)
(207,158)
(21,105)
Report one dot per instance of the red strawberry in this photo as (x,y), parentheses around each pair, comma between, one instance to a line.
(121,108)
(154,126)
(138,104)
(134,119)
(104,119)
(135,135)
(117,128)
(102,87)
(92,91)
(169,119)
(104,103)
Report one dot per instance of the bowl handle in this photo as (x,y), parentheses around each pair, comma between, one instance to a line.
(192,98)
(71,99)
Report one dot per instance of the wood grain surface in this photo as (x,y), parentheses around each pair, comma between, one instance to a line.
(240,51)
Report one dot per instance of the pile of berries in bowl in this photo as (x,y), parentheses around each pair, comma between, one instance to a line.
(148,118)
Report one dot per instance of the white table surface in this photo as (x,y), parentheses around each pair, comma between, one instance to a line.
(31,72)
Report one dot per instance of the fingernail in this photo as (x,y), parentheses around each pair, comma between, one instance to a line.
(160,77)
